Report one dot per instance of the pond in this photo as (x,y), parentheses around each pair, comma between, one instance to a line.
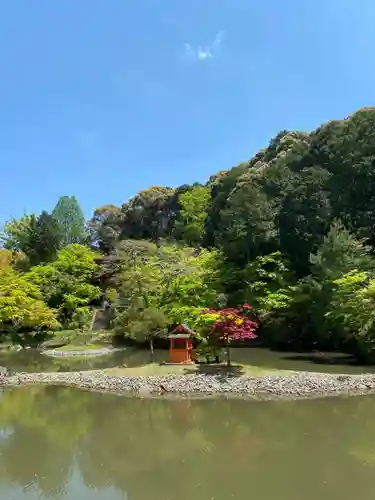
(31,360)
(59,443)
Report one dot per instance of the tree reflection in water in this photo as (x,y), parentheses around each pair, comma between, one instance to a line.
(180,449)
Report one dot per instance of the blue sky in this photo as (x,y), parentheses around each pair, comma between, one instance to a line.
(102,98)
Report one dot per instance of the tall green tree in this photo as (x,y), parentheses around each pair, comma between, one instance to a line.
(43,239)
(190,224)
(70,219)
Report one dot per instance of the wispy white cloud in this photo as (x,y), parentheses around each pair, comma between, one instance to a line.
(202,53)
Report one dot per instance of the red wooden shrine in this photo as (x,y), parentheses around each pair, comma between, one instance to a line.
(181,345)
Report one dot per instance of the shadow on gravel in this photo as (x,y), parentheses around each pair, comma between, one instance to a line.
(218,370)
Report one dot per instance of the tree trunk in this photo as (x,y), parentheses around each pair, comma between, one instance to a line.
(227,351)
(152,352)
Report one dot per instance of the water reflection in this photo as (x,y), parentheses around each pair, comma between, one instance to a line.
(64,443)
(32,360)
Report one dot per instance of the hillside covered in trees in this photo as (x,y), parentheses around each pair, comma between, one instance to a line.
(291,231)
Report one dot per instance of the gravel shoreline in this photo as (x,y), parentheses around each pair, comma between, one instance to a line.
(296,385)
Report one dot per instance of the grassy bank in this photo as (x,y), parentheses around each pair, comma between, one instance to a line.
(162,369)
(82,347)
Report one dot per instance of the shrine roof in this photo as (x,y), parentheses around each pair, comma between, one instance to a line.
(179,336)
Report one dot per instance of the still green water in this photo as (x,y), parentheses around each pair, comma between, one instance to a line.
(31,360)
(58,443)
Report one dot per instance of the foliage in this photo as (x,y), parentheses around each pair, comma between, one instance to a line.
(264,278)
(339,253)
(70,220)
(43,240)
(305,216)
(149,214)
(111,295)
(221,186)
(353,308)
(228,324)
(78,261)
(278,231)
(296,314)
(104,228)
(174,279)
(194,288)
(81,317)
(66,284)
(183,314)
(16,232)
(159,285)
(223,326)
(35,236)
(21,305)
(143,325)
(139,280)
(13,259)
(193,212)
(6,259)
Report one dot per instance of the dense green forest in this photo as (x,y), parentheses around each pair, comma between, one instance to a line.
(291,232)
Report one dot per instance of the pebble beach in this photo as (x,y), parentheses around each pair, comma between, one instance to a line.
(295,385)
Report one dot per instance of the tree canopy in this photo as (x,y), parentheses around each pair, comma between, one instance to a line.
(70,220)
(67,283)
(287,231)
(21,305)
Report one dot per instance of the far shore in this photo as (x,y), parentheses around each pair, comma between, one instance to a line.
(286,385)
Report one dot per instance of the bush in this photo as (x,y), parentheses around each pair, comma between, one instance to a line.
(353,309)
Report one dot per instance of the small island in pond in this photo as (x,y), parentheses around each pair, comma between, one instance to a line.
(277,251)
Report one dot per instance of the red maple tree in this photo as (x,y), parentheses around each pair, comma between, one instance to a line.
(231,324)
